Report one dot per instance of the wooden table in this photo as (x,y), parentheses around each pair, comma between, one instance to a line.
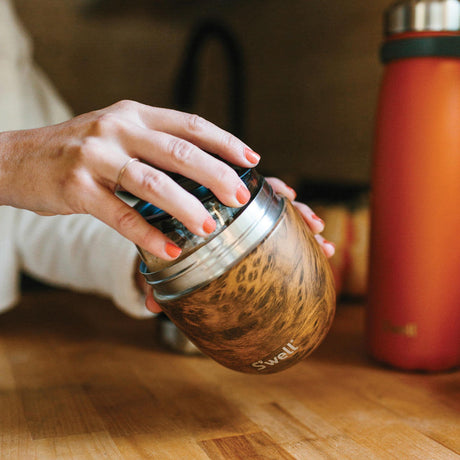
(80,380)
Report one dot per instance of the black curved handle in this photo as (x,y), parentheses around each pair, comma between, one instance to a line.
(186,81)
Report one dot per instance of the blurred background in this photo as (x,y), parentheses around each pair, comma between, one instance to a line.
(311,69)
(296,79)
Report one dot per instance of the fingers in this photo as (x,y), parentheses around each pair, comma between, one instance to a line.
(327,247)
(173,141)
(150,303)
(199,132)
(312,220)
(315,223)
(166,152)
(317,226)
(119,133)
(129,223)
(176,142)
(282,188)
(180,156)
(158,188)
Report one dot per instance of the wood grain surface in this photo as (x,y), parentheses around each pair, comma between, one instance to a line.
(79,380)
(270,310)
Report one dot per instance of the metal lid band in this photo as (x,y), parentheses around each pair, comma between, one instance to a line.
(222,252)
(422,15)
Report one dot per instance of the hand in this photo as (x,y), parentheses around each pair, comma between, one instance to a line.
(74,167)
(311,219)
(150,302)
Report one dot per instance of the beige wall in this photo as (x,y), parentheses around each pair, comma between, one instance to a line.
(312,70)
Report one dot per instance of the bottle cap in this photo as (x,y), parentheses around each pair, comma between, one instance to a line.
(422,16)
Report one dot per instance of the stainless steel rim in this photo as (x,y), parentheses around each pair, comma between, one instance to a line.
(222,252)
(422,15)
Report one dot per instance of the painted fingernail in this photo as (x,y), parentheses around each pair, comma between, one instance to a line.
(209,225)
(251,156)
(172,250)
(243,194)
(329,243)
(292,191)
(314,216)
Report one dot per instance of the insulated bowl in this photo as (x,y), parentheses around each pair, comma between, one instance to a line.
(258,295)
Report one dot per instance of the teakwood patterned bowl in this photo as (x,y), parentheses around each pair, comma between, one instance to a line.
(270,310)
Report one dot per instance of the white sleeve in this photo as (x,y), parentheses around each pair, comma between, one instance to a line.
(81,253)
(27,98)
(78,252)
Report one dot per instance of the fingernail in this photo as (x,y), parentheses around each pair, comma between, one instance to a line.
(329,243)
(172,250)
(292,191)
(314,216)
(243,194)
(209,225)
(251,156)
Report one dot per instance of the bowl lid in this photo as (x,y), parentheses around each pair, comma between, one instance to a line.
(260,216)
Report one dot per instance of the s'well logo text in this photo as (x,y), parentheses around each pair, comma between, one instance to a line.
(289,349)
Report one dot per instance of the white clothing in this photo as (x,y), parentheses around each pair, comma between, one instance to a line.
(75,251)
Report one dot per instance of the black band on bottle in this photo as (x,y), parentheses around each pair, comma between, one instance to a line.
(444,46)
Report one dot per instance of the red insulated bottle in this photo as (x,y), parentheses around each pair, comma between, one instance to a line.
(413,319)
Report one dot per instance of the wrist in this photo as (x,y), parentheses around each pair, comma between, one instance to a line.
(6,148)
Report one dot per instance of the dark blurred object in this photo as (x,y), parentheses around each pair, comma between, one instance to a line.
(29,284)
(186,81)
(331,192)
(170,8)
(172,338)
